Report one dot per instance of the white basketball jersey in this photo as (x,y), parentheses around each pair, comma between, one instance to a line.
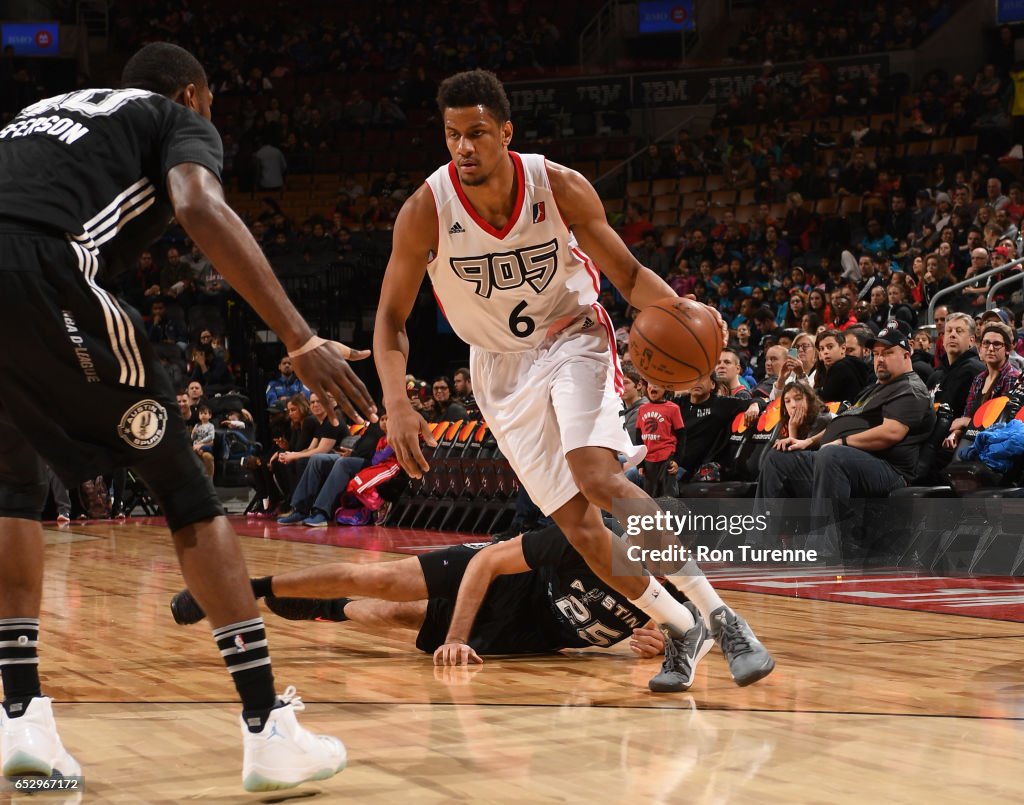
(508,290)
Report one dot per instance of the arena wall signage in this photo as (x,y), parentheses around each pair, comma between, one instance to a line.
(679,88)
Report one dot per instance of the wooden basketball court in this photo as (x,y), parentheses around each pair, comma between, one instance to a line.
(866,703)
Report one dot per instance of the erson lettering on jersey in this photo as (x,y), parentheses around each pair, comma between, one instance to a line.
(64,128)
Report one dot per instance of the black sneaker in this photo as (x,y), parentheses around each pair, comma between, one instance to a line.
(308,609)
(186,609)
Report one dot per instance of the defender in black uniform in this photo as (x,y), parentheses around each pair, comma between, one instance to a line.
(87,180)
(542,598)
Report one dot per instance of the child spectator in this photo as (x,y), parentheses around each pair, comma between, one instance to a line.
(361,500)
(202,438)
(660,428)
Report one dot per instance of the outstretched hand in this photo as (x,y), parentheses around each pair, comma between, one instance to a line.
(325,370)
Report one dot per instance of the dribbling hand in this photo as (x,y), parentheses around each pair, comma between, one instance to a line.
(721,325)
(325,371)
(456,654)
(405,427)
(718,316)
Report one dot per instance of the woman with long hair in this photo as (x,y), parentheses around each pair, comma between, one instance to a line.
(796,309)
(269,478)
(817,303)
(936,276)
(802,414)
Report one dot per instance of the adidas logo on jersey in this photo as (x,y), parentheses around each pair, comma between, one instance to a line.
(455,228)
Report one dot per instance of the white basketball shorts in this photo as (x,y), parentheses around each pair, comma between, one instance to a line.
(545,402)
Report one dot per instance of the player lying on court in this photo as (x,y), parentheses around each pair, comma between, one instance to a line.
(515,247)
(533,594)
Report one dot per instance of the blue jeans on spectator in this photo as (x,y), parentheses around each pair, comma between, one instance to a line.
(326,476)
(831,478)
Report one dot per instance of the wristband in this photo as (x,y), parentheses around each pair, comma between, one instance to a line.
(313,342)
(844,442)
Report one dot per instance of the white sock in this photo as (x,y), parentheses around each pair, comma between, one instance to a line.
(694,585)
(663,608)
(266,504)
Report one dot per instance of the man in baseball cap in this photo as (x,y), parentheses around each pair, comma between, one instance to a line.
(867,451)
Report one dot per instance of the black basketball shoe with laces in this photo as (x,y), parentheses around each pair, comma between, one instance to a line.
(185,609)
(308,609)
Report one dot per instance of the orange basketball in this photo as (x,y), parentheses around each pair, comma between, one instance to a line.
(675,342)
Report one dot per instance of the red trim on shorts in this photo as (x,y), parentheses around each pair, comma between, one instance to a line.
(517,208)
(606,322)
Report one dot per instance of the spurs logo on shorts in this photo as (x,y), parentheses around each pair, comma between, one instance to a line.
(143,425)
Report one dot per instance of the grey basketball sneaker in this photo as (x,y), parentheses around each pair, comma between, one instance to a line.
(682,653)
(748,659)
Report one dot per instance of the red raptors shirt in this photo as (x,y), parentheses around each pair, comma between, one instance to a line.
(657,423)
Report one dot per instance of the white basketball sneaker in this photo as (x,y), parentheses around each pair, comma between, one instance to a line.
(30,744)
(285,754)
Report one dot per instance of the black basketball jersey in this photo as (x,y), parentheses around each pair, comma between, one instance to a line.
(588,611)
(91,165)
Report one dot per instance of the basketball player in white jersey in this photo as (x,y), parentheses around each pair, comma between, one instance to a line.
(512,243)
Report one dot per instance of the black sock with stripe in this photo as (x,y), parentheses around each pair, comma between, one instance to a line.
(244,649)
(19,663)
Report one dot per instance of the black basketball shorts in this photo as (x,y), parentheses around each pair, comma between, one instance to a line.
(513,618)
(80,384)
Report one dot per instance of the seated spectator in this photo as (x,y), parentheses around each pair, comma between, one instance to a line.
(774,360)
(959,364)
(325,438)
(842,310)
(792,312)
(177,279)
(326,477)
(203,435)
(164,329)
(898,307)
(727,371)
(999,377)
(817,303)
(444,408)
(633,396)
(287,385)
(464,393)
(362,499)
(270,479)
(196,396)
(803,415)
(922,356)
(208,369)
(867,451)
(659,426)
(838,378)
(184,405)
(707,411)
